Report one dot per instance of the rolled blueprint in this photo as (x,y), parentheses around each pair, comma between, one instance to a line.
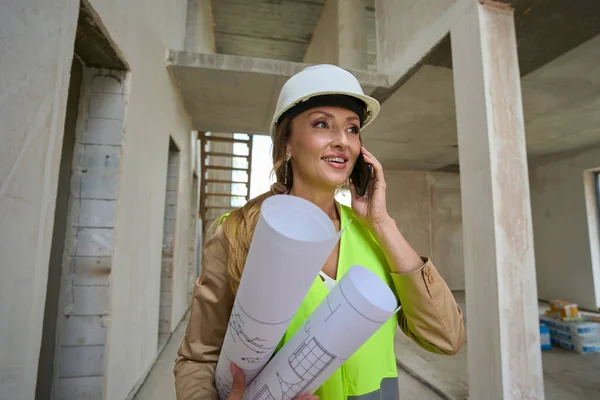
(353,311)
(291,242)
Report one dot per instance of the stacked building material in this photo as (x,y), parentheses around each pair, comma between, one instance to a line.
(573,332)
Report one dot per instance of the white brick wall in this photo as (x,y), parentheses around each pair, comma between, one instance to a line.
(80,361)
(103,131)
(107,105)
(91,271)
(96,213)
(84,330)
(89,238)
(94,242)
(81,388)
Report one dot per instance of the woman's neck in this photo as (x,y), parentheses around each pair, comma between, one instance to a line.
(324,199)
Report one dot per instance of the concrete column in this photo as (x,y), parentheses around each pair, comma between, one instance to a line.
(504,345)
(352,34)
(199,32)
(340,37)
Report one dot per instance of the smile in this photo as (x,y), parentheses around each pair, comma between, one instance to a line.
(336,162)
(334,159)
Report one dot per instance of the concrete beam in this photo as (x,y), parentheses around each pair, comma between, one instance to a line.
(340,37)
(504,346)
(407,31)
(225,93)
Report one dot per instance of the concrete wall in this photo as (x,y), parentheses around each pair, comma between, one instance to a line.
(426,206)
(32,110)
(35,59)
(427,209)
(560,227)
(143,30)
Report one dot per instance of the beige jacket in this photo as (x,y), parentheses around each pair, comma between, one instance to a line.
(429,316)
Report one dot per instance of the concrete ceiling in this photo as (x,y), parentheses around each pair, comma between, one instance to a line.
(226,93)
(561,101)
(275,29)
(559,58)
(559,50)
(545,29)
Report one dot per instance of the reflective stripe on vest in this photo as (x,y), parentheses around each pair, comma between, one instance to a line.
(388,390)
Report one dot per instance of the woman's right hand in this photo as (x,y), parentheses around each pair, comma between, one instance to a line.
(239,385)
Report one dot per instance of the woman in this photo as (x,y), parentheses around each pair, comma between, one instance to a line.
(316,141)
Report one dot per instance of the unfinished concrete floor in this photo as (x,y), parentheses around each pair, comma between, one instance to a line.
(567,374)
(160,384)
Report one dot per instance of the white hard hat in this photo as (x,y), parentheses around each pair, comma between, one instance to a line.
(319,80)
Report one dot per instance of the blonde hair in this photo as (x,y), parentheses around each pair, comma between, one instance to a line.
(239,226)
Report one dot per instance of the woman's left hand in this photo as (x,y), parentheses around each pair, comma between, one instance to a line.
(372,206)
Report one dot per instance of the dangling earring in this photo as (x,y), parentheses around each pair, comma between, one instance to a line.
(288,156)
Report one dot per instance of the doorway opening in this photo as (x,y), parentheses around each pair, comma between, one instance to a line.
(46,359)
(76,304)
(193,249)
(168,245)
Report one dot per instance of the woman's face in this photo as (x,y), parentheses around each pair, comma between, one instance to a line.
(324,144)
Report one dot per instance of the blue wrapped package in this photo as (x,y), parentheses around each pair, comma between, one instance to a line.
(545,337)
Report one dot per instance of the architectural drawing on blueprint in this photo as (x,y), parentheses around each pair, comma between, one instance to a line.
(355,308)
(308,361)
(255,344)
(222,384)
(264,394)
(332,310)
(291,242)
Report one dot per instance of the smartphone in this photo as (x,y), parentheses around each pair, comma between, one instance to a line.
(361,174)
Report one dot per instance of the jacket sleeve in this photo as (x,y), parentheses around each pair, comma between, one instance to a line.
(429,313)
(211,306)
